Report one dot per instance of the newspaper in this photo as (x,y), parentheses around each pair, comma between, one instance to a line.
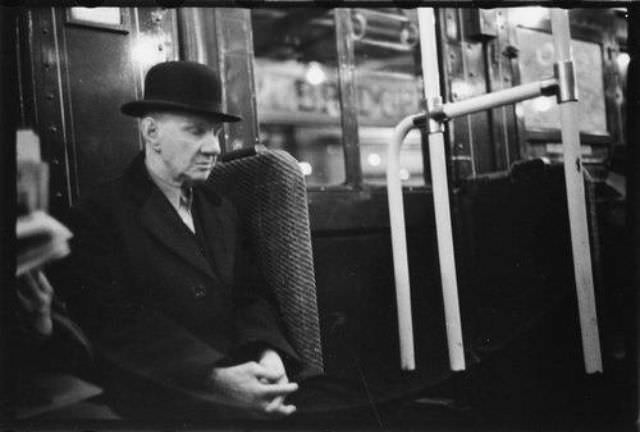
(40,239)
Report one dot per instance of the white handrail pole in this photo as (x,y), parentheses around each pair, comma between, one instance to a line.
(399,244)
(498,98)
(440,186)
(576,204)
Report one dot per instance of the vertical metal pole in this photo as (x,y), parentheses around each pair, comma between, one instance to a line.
(576,204)
(348,96)
(440,188)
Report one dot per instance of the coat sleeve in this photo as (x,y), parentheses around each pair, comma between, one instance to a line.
(129,334)
(257,315)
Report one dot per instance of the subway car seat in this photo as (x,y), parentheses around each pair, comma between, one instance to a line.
(269,191)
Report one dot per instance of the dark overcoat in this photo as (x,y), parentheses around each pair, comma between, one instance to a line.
(155,301)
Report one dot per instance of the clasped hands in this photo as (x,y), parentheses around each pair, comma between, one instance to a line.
(258,387)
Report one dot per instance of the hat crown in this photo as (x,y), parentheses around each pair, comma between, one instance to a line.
(184,87)
(183,82)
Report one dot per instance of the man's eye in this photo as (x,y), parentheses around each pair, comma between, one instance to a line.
(197,131)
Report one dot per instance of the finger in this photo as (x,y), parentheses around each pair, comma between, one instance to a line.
(274,404)
(282,380)
(280,409)
(43,284)
(263,373)
(273,390)
(288,409)
(26,302)
(34,300)
(33,291)
(30,288)
(277,407)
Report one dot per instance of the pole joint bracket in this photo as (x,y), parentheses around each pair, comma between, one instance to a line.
(435,115)
(565,73)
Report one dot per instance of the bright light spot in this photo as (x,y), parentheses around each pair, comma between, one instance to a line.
(519,111)
(100,15)
(541,104)
(374,159)
(404,174)
(528,16)
(315,75)
(306,168)
(623,61)
(146,51)
(461,90)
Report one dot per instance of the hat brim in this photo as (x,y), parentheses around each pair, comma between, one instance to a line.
(141,107)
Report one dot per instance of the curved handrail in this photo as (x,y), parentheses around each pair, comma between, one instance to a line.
(399,242)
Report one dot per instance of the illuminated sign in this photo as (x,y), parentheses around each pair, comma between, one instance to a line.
(285,94)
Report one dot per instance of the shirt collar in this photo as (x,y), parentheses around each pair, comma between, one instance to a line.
(172,191)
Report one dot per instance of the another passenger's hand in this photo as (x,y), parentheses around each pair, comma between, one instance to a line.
(36,296)
(253,387)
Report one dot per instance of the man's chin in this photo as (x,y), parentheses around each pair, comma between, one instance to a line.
(200,177)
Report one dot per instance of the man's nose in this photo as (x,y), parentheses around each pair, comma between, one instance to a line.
(211,144)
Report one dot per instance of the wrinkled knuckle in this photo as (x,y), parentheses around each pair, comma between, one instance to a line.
(269,409)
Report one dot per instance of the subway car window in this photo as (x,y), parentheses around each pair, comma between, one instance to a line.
(297,89)
(298,96)
(595,49)
(537,57)
(389,88)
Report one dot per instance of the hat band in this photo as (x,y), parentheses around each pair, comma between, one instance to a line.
(206,104)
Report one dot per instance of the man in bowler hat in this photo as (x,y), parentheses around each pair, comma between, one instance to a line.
(164,280)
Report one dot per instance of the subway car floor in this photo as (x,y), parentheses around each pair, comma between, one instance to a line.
(537,382)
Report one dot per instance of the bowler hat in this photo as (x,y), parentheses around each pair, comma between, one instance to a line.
(181,86)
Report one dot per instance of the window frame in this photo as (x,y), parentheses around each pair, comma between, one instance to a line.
(553,135)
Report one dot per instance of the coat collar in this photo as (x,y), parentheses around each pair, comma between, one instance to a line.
(139,185)
(158,217)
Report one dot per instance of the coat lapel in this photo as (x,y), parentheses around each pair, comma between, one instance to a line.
(218,232)
(158,217)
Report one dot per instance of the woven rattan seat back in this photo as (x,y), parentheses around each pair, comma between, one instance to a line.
(269,191)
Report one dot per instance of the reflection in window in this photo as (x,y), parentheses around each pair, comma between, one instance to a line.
(389,89)
(537,56)
(622,67)
(297,89)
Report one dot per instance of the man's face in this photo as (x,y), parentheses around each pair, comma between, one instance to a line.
(188,146)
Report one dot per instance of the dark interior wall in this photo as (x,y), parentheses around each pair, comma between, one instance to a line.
(513,259)
(477,57)
(354,275)
(9,118)
(77,76)
(633,178)
(99,77)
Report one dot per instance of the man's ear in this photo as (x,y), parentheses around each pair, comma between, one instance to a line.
(150,130)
